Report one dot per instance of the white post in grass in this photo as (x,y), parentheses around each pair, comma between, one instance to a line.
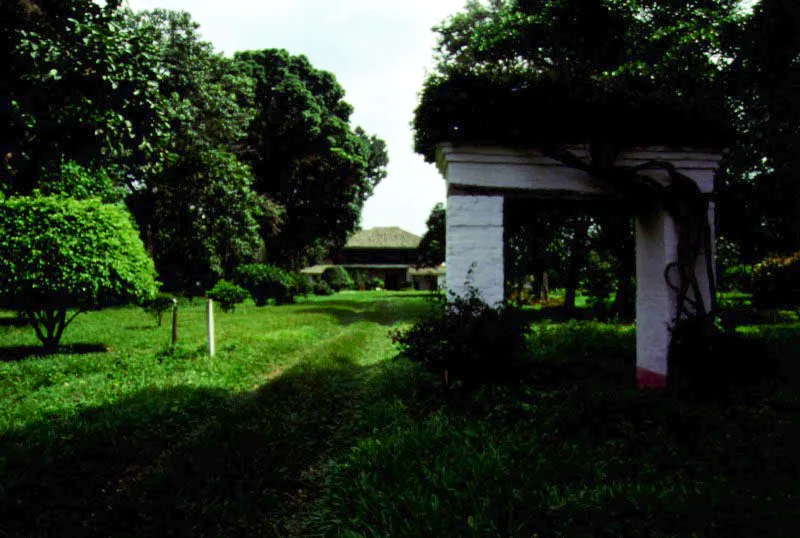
(210,326)
(174,321)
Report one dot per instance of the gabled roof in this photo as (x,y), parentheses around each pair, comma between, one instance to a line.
(383,237)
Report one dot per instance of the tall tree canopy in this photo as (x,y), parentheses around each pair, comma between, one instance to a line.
(550,71)
(433,245)
(305,155)
(221,160)
(78,84)
(198,211)
(760,189)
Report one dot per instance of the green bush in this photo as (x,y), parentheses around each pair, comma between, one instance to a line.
(599,278)
(360,280)
(338,278)
(376,283)
(322,288)
(59,254)
(159,304)
(75,181)
(467,340)
(303,284)
(738,278)
(776,281)
(227,294)
(265,282)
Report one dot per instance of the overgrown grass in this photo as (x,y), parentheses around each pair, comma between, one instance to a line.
(302,426)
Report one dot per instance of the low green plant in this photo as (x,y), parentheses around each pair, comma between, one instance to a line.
(159,304)
(376,283)
(227,294)
(265,282)
(303,284)
(322,288)
(599,278)
(738,278)
(776,281)
(338,278)
(466,340)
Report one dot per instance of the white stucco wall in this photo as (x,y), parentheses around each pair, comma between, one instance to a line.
(475,242)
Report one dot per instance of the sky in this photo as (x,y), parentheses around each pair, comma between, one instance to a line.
(379,51)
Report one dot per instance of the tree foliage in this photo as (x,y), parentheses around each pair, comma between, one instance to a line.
(80,85)
(305,155)
(552,71)
(432,247)
(59,254)
(760,194)
(198,211)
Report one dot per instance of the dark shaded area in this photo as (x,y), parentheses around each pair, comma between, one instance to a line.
(18,353)
(12,321)
(177,462)
(561,313)
(381,312)
(583,453)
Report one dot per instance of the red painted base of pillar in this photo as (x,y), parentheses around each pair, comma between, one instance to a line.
(650,380)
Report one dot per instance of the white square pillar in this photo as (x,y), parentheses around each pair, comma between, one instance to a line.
(475,242)
(656,301)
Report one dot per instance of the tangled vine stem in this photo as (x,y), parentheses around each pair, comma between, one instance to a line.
(682,199)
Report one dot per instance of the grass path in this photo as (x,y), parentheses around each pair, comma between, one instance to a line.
(136,440)
(301,426)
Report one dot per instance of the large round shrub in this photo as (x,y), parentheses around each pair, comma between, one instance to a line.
(59,254)
(265,282)
(338,278)
(227,294)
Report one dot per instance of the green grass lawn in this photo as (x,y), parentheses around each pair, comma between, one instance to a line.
(302,426)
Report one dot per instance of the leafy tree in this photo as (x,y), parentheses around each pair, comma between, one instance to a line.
(79,85)
(433,245)
(305,155)
(199,214)
(760,194)
(60,254)
(265,282)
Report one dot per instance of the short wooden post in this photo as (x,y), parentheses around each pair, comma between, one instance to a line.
(174,321)
(210,326)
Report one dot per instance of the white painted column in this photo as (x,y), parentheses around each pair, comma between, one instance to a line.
(656,247)
(656,302)
(475,241)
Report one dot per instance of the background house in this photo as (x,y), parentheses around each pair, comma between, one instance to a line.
(388,253)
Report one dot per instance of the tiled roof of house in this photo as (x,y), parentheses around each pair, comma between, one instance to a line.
(383,237)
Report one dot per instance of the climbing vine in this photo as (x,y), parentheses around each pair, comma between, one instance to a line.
(681,199)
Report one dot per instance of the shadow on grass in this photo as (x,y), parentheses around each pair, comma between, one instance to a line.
(181,461)
(18,353)
(381,312)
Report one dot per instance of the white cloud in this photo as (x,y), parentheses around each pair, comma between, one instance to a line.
(378,50)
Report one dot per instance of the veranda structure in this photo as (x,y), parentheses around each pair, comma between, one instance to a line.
(480,178)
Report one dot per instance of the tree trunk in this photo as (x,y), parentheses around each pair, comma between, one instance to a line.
(576,260)
(544,287)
